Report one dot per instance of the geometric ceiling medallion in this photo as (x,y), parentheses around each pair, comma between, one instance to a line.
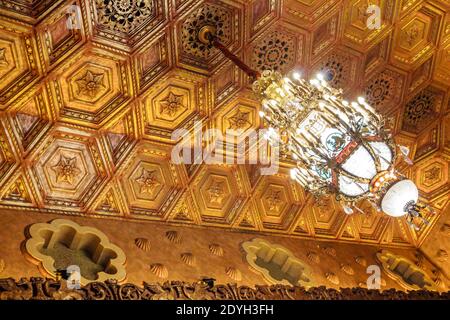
(219,195)
(176,102)
(416,36)
(357,33)
(123,15)
(224,18)
(277,201)
(67,170)
(421,110)
(239,120)
(92,88)
(150,183)
(338,69)
(383,90)
(207,15)
(276,51)
(126,23)
(90,84)
(171,105)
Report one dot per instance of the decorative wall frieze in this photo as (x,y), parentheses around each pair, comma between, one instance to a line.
(49,289)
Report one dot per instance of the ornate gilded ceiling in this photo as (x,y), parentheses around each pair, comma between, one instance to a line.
(91,91)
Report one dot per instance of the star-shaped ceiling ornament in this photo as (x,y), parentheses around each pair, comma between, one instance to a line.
(274,201)
(66,169)
(90,84)
(216,192)
(148,181)
(172,104)
(239,120)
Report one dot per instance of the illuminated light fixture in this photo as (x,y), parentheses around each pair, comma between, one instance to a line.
(340,148)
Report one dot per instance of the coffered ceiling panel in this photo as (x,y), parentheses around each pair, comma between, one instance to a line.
(92,91)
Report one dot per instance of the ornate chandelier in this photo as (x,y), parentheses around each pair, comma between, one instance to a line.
(340,148)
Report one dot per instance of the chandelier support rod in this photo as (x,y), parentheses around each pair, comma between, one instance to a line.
(207,36)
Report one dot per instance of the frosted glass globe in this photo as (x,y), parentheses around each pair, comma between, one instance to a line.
(396,198)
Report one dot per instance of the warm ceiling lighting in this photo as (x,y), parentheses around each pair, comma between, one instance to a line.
(340,148)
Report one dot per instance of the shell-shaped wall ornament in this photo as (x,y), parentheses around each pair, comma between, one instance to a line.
(216,249)
(173,236)
(420,260)
(445,229)
(314,257)
(159,270)
(442,255)
(361,261)
(334,279)
(142,243)
(188,258)
(438,278)
(234,273)
(330,251)
(347,269)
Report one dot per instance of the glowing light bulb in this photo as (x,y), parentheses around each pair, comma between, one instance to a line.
(320,77)
(293,173)
(296,76)
(261,114)
(361,100)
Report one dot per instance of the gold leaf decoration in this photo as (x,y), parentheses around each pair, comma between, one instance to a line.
(314,257)
(2,265)
(334,279)
(188,258)
(142,243)
(159,270)
(173,237)
(347,269)
(234,273)
(216,249)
